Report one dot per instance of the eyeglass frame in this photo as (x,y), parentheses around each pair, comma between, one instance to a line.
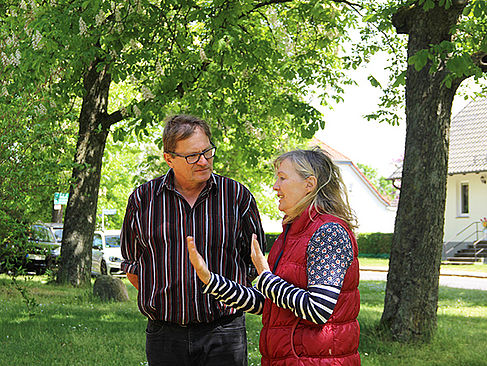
(213,147)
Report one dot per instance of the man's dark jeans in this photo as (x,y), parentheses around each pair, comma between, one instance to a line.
(220,343)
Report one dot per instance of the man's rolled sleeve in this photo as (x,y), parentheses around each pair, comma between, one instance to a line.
(129,243)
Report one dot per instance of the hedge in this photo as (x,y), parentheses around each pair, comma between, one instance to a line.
(374,244)
(369,244)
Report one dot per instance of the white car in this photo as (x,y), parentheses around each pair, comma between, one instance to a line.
(109,242)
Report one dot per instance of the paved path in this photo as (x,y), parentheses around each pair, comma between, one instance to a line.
(457,279)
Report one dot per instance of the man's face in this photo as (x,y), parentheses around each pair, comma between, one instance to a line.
(191,174)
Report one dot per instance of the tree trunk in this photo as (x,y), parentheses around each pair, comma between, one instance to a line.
(80,216)
(411,298)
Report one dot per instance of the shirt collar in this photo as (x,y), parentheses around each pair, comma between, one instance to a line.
(167,181)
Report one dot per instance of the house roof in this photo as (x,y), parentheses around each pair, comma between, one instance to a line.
(338,157)
(334,154)
(468,140)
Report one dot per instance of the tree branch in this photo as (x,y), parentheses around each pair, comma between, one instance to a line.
(114,118)
(480,60)
(273,2)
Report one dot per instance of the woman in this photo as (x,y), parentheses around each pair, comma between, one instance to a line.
(307,291)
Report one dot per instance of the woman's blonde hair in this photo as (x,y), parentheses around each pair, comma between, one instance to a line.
(330,194)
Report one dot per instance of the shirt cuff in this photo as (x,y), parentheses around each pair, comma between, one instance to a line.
(211,285)
(129,267)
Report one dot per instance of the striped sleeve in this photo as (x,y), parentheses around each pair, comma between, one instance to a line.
(329,255)
(315,304)
(233,294)
(128,240)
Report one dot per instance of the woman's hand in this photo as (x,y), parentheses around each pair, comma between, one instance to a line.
(198,262)
(258,258)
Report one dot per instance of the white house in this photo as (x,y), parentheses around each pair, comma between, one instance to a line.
(466,199)
(374,212)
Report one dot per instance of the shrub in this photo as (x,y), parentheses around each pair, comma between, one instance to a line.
(369,244)
(270,238)
(374,244)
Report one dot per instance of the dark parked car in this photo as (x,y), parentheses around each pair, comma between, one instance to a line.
(43,251)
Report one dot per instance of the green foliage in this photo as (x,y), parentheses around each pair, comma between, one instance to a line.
(374,243)
(383,185)
(379,35)
(35,147)
(270,238)
(245,67)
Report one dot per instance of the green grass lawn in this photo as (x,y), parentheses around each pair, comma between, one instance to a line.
(70,327)
(381,262)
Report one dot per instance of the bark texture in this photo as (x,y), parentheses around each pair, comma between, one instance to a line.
(412,284)
(80,217)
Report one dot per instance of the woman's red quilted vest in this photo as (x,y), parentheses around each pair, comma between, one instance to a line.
(288,340)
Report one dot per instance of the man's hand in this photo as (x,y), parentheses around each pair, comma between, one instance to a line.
(197,261)
(134,280)
(258,258)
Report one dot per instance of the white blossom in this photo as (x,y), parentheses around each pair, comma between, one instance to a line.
(137,111)
(99,18)
(146,93)
(40,109)
(16,58)
(12,41)
(4,92)
(159,68)
(203,55)
(123,111)
(36,40)
(22,5)
(27,30)
(83,29)
(5,59)
(33,4)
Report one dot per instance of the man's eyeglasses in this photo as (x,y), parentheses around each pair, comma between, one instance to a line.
(194,158)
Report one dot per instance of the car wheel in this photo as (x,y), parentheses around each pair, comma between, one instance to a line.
(103,268)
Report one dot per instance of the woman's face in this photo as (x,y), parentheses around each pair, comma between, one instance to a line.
(290,186)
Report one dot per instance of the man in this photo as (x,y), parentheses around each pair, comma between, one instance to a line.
(185,326)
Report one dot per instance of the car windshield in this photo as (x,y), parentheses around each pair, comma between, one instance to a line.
(58,233)
(40,233)
(112,241)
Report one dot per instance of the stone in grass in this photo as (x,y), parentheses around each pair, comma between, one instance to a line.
(109,288)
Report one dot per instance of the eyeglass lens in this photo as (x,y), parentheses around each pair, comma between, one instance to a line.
(208,154)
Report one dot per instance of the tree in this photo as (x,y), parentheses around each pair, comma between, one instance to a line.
(32,163)
(446,44)
(383,185)
(242,65)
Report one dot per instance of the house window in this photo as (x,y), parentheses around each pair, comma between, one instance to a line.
(464,199)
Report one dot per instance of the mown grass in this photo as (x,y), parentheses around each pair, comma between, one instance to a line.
(383,262)
(71,327)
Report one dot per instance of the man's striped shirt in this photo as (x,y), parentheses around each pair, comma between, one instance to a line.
(153,241)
